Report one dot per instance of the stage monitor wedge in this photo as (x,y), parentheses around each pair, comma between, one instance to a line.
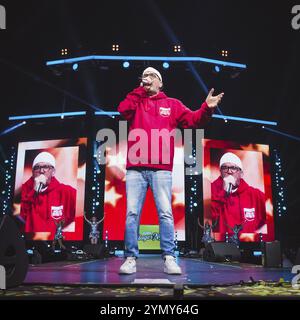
(97,251)
(272,254)
(221,252)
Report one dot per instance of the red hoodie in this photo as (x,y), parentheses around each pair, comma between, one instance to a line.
(158,112)
(245,206)
(57,202)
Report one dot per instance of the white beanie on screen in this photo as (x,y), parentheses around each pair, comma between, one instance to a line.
(44,157)
(231,157)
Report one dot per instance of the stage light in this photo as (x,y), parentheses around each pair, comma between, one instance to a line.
(166,65)
(64,52)
(217,69)
(177,48)
(115,47)
(126,64)
(75,66)
(224,53)
(106,238)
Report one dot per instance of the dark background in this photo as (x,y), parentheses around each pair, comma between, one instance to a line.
(257,33)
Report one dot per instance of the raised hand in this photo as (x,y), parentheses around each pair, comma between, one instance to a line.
(213,101)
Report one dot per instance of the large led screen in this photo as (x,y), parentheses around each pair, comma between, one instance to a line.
(49,187)
(237,190)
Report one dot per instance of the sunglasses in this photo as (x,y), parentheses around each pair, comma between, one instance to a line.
(151,75)
(45,168)
(232,169)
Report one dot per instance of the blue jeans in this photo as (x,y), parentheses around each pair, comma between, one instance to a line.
(137,183)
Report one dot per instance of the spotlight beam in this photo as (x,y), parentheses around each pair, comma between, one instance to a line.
(171,35)
(282,134)
(10,129)
(50,85)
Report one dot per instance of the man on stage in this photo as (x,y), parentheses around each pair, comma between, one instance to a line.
(44,200)
(147,108)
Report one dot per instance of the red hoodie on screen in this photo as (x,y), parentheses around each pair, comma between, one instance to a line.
(40,211)
(245,206)
(159,112)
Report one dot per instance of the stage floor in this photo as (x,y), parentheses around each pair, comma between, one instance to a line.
(150,271)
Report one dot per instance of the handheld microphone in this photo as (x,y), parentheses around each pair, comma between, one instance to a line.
(145,82)
(229,189)
(39,188)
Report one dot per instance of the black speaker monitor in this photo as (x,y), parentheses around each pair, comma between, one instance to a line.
(94,250)
(272,254)
(221,252)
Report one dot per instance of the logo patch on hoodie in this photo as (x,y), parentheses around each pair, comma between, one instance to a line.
(57,212)
(249,214)
(165,112)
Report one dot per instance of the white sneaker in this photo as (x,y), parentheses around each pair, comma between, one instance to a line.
(171,267)
(129,266)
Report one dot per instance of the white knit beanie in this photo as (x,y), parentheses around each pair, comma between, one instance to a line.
(44,157)
(231,157)
(152,70)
